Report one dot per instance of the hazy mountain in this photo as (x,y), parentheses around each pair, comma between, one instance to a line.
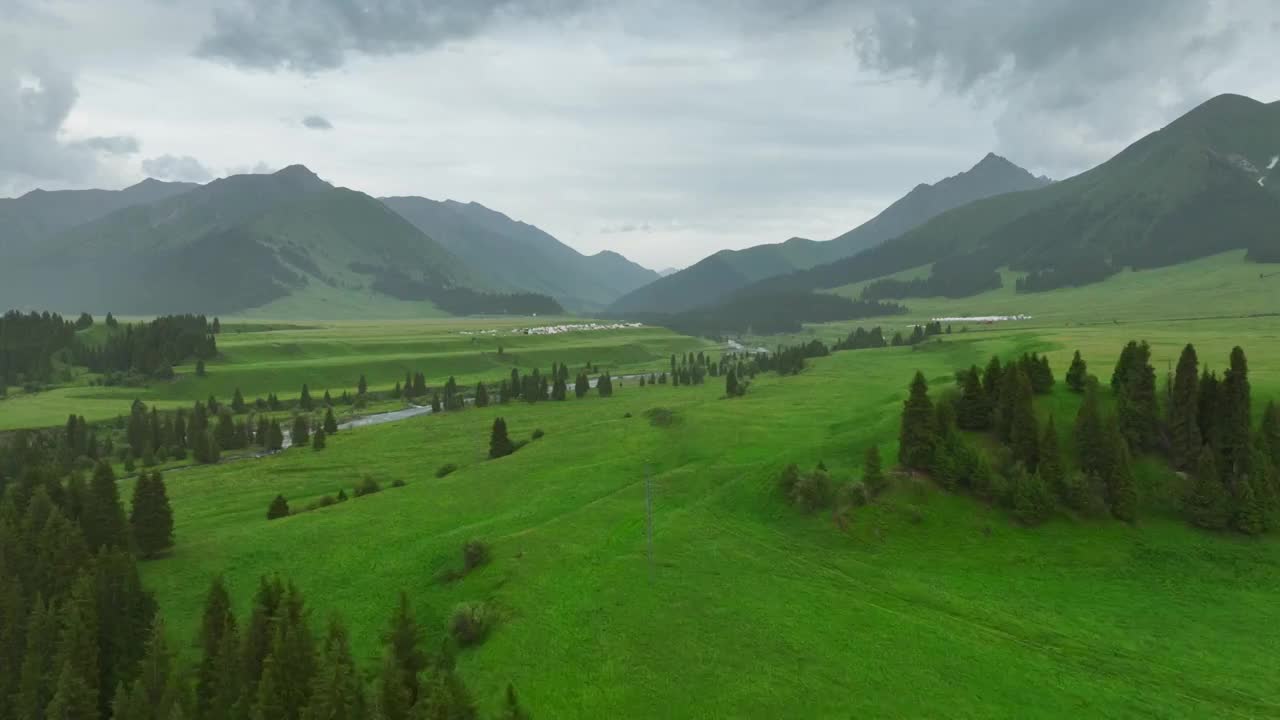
(1194,188)
(516,255)
(238,243)
(26,222)
(713,278)
(668,271)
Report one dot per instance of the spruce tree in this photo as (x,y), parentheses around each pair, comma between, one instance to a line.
(151,518)
(404,658)
(268,700)
(1235,432)
(973,412)
(731,384)
(259,631)
(330,422)
(362,386)
(1122,491)
(304,401)
(74,697)
(499,444)
(39,672)
(917,435)
(1184,410)
(482,395)
(278,508)
(1248,515)
(104,523)
(1032,503)
(237,403)
(275,436)
(77,649)
(317,440)
(1269,433)
(1024,434)
(300,433)
(1091,442)
(1006,407)
(217,622)
(1206,504)
(873,477)
(1051,469)
(337,693)
(435,402)
(1078,374)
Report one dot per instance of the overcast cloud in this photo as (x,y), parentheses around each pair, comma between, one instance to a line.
(664,130)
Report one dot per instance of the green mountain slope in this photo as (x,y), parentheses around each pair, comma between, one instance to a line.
(28,221)
(713,278)
(520,256)
(1194,188)
(246,241)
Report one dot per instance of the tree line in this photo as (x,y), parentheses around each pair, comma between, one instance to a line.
(28,344)
(150,349)
(1204,428)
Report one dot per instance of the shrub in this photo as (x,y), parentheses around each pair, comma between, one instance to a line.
(474,554)
(342,495)
(470,623)
(661,417)
(367,486)
(445,469)
(397,483)
(278,508)
(537,434)
(855,494)
(812,492)
(787,481)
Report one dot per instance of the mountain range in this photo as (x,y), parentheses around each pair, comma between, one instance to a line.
(718,276)
(1197,187)
(246,241)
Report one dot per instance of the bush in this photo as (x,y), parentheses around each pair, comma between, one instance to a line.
(367,486)
(470,623)
(661,417)
(342,495)
(812,492)
(474,554)
(537,434)
(278,508)
(787,481)
(855,494)
(445,469)
(397,483)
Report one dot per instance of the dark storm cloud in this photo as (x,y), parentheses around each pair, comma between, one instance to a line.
(314,35)
(316,122)
(172,167)
(35,100)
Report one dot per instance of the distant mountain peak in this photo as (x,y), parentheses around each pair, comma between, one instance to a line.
(301,177)
(296,170)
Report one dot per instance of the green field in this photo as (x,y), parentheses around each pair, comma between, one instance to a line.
(332,356)
(931,604)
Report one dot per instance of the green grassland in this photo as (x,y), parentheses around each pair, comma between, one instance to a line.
(332,356)
(1223,285)
(930,605)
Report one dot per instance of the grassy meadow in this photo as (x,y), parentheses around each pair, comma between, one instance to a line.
(265,357)
(930,604)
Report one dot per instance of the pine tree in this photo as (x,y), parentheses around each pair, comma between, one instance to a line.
(225,433)
(873,477)
(330,422)
(1235,432)
(1184,409)
(973,412)
(992,381)
(1024,434)
(275,436)
(278,508)
(1208,411)
(731,384)
(151,517)
(317,440)
(337,692)
(1269,433)
(304,401)
(259,631)
(1051,469)
(1248,514)
(482,395)
(156,692)
(104,523)
(1091,444)
(1032,503)
(582,385)
(216,624)
(1206,505)
(300,432)
(74,697)
(435,403)
(39,671)
(917,435)
(1006,405)
(405,659)
(1122,492)
(268,702)
(1078,374)
(499,444)
(362,386)
(237,403)
(1136,406)
(77,650)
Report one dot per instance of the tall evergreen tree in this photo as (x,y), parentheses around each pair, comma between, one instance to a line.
(1051,469)
(1184,410)
(1091,441)
(1122,491)
(275,436)
(973,412)
(1136,406)
(404,661)
(330,422)
(362,386)
(300,433)
(318,440)
(482,395)
(304,400)
(1248,514)
(151,517)
(1024,434)
(499,444)
(1006,406)
(1032,503)
(104,522)
(1269,433)
(1078,374)
(1235,432)
(917,435)
(337,692)
(731,384)
(1206,504)
(217,622)
(237,403)
(77,651)
(259,632)
(39,669)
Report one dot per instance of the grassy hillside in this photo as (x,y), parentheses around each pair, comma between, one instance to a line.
(716,277)
(749,608)
(517,255)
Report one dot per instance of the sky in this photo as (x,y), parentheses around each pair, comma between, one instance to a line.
(662,129)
